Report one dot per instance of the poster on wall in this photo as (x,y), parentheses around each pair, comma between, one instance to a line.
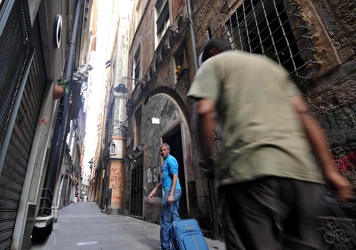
(149,175)
(155,175)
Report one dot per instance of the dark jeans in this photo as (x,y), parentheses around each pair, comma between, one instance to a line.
(271,213)
(168,215)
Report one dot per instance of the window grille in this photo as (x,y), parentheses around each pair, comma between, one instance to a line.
(136,203)
(272,28)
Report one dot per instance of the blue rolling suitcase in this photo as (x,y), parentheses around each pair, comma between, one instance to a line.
(186,235)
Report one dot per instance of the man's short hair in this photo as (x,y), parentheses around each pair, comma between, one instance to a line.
(165,145)
(219,44)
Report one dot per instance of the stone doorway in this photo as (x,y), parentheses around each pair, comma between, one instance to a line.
(174,140)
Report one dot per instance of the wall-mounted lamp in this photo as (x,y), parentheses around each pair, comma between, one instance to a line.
(130,156)
(121,89)
(82,72)
(136,80)
(142,82)
(139,148)
(91,163)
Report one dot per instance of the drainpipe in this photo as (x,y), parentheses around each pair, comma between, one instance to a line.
(58,143)
(191,24)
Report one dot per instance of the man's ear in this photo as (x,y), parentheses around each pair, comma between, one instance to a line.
(213,52)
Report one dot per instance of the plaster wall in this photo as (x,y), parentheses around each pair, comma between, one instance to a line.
(117,184)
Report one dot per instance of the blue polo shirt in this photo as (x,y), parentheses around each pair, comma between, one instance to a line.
(169,168)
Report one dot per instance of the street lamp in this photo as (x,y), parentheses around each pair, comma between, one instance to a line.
(82,73)
(91,163)
(121,89)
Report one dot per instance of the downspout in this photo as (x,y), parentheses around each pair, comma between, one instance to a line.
(212,197)
(56,154)
(191,25)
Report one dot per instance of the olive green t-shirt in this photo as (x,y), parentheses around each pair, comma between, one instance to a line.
(261,133)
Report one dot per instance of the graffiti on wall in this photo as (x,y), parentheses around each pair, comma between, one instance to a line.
(116,184)
(339,127)
(346,162)
(345,155)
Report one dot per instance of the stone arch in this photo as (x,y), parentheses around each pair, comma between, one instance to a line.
(174,127)
(174,95)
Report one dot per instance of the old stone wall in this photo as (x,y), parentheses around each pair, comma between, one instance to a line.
(330,91)
(331,96)
(338,16)
(208,15)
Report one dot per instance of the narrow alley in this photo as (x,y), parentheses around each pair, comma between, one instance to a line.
(91,89)
(82,226)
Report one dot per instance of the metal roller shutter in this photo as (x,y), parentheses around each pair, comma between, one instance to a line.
(13,58)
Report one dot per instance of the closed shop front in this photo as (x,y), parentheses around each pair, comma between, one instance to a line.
(22,84)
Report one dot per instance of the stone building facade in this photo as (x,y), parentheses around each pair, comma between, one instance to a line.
(158,109)
(314,40)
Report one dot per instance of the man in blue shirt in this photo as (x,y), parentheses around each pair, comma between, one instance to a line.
(172,193)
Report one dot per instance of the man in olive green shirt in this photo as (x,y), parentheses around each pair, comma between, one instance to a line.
(270,187)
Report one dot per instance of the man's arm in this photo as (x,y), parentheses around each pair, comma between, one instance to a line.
(173,188)
(153,192)
(337,183)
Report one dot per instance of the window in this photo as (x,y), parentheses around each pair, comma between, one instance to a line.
(1,3)
(162,10)
(136,67)
(268,27)
(181,61)
(138,119)
(181,58)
